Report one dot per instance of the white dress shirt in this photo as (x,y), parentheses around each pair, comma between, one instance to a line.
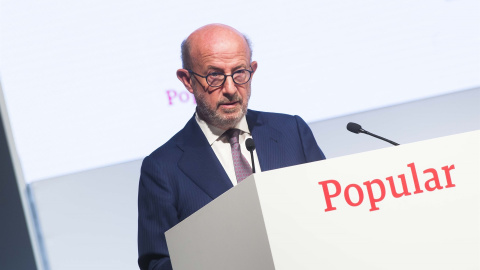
(222,149)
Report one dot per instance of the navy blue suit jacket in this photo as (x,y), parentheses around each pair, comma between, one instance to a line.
(184,174)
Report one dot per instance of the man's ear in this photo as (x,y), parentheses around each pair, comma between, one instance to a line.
(254,66)
(184,76)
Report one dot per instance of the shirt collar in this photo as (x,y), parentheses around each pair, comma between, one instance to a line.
(213,133)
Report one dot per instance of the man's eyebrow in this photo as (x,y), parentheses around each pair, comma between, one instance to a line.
(242,66)
(214,68)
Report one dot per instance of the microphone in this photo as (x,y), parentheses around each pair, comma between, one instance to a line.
(250,147)
(356,128)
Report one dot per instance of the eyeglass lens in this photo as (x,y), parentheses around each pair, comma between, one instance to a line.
(239,77)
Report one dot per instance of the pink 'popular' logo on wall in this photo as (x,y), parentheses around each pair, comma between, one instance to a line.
(179,97)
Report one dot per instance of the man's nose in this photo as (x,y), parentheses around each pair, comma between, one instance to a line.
(229,87)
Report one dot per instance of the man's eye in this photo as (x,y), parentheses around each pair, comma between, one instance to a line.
(241,71)
(215,74)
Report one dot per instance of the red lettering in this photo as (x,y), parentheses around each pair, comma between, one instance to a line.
(404,186)
(447,170)
(415,178)
(347,195)
(376,190)
(374,200)
(433,179)
(327,194)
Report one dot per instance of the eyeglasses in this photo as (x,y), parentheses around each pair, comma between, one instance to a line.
(216,79)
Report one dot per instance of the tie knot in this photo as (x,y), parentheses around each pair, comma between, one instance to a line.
(233,135)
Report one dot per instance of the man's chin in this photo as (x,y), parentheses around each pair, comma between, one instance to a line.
(228,120)
(223,118)
(231,119)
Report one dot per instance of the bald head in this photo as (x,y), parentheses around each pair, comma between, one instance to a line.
(209,37)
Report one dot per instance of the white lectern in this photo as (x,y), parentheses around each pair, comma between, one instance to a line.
(414,206)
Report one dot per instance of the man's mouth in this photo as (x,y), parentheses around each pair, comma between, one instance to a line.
(229,104)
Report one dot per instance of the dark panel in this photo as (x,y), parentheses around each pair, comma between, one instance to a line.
(15,247)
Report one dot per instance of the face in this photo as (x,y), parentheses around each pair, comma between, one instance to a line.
(222,52)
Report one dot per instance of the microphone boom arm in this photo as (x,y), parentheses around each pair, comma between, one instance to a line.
(356,128)
(379,137)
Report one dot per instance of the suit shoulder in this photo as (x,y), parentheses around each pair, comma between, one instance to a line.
(280,119)
(169,149)
(270,114)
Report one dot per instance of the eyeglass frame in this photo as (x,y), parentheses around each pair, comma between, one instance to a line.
(225,78)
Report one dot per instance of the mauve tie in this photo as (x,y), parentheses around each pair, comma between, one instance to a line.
(240,163)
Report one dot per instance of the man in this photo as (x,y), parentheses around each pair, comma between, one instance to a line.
(197,164)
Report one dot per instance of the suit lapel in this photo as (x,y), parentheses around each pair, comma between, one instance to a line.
(200,163)
(267,141)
